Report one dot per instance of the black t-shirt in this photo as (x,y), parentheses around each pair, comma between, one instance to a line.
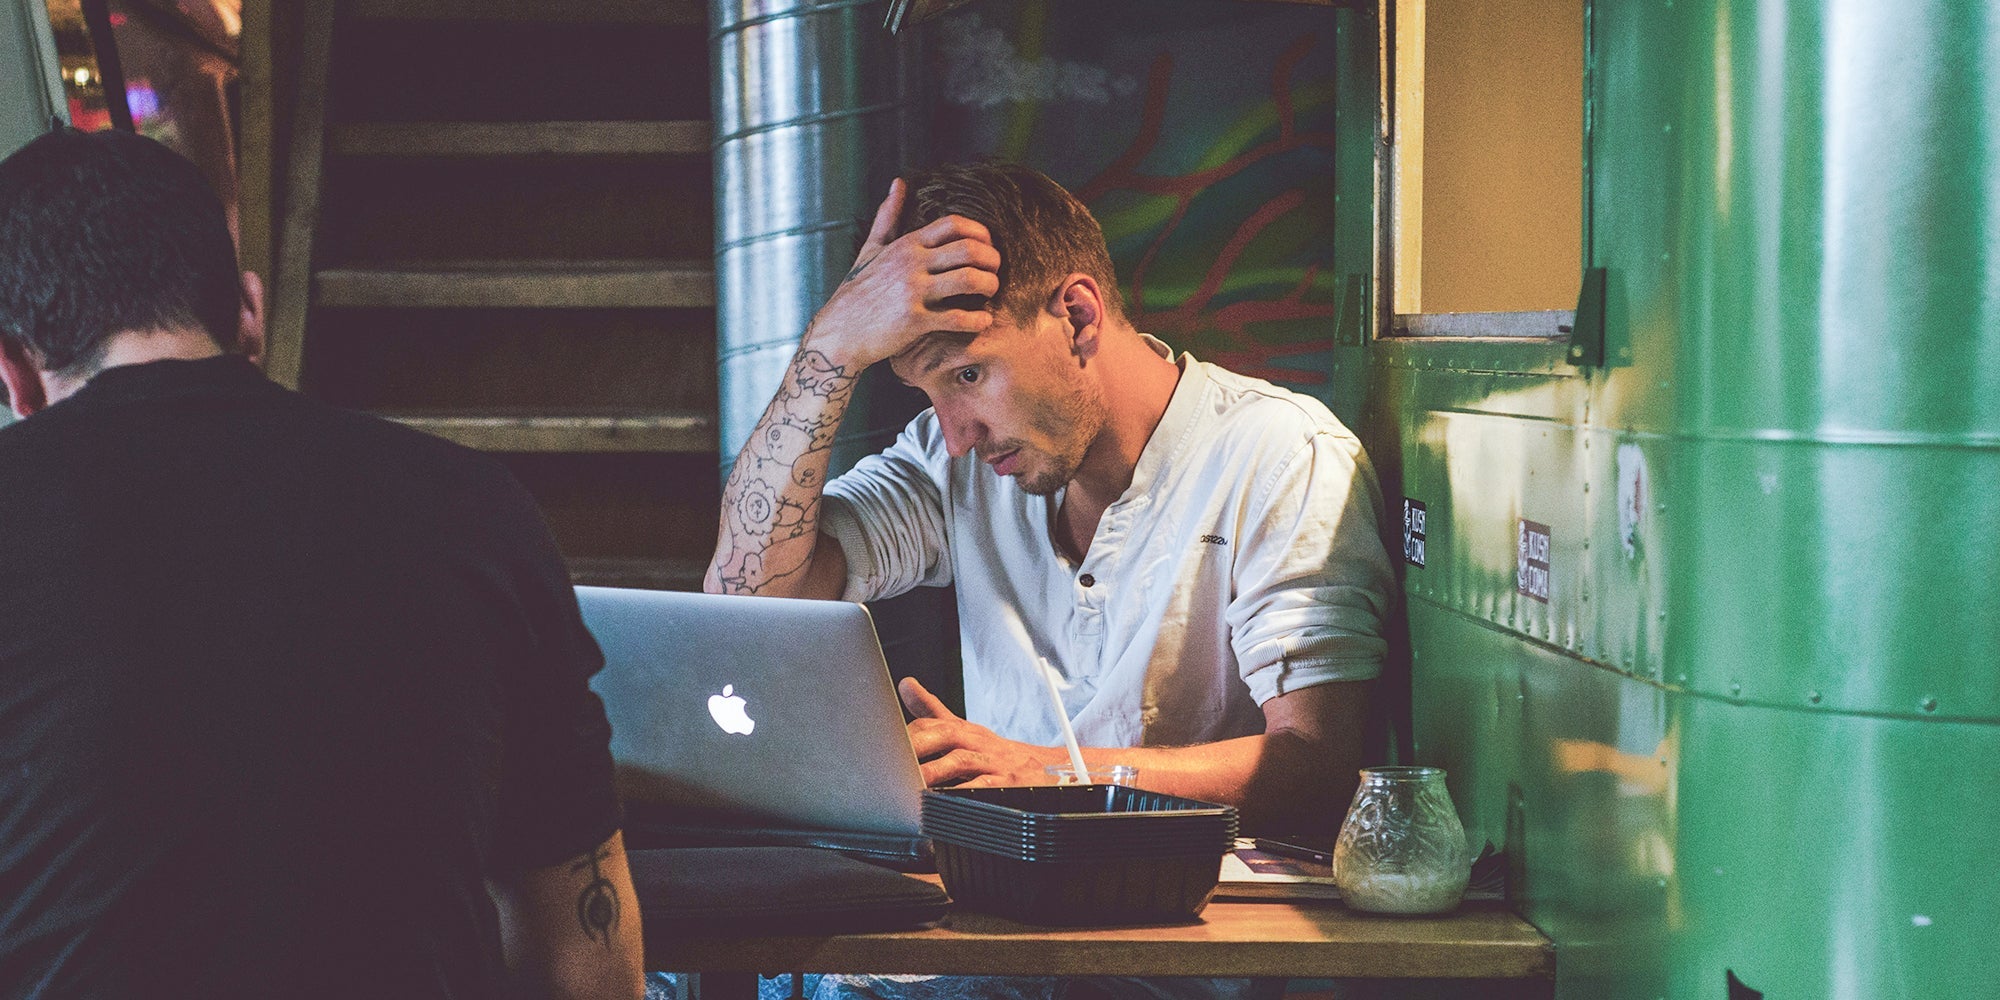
(279,685)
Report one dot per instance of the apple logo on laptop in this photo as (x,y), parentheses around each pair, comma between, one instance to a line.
(727,708)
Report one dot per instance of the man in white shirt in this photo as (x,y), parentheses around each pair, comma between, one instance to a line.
(1195,552)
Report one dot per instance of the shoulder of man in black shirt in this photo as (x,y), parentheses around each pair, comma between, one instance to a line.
(301,695)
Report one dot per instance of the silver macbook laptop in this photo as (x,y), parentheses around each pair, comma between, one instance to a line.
(762,708)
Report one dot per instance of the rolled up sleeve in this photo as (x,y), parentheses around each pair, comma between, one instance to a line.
(1312,579)
(888,515)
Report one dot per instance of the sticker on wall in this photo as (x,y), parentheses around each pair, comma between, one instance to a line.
(1631,496)
(1413,532)
(1531,561)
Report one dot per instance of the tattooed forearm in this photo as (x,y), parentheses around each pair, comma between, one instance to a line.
(770,506)
(597,905)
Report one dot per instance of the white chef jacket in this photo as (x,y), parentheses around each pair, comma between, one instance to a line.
(1244,561)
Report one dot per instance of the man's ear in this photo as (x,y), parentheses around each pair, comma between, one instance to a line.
(25,392)
(1080,303)
(250,321)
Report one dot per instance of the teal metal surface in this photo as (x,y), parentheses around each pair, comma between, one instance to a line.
(1570,768)
(1751,726)
(1586,338)
(30,92)
(1796,207)
(1833,855)
(1357,125)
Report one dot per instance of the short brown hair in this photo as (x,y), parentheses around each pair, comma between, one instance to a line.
(1040,229)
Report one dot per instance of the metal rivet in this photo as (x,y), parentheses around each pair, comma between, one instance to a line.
(1813,696)
(1736,690)
(1929,704)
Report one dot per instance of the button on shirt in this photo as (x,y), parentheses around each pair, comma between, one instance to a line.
(1244,561)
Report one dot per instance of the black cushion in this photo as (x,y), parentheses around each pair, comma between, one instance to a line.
(648,825)
(721,891)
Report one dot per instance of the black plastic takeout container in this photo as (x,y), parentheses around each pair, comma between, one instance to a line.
(1078,854)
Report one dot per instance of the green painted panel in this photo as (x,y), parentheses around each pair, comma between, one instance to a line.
(1796,204)
(1838,578)
(1570,766)
(1666,838)
(1783,608)
(1836,856)
(1754,728)
(1357,81)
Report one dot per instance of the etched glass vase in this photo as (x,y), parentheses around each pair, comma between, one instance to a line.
(1402,849)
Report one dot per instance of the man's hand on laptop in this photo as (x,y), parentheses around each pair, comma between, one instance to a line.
(929,280)
(956,752)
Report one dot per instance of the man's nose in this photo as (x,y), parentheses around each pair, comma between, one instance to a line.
(961,433)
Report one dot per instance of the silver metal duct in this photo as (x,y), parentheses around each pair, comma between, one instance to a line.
(806,141)
(809,129)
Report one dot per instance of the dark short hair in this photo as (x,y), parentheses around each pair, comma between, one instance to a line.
(1040,229)
(103,232)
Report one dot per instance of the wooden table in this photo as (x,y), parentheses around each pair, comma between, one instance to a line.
(1482,941)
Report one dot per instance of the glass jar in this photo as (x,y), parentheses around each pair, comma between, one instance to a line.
(1402,849)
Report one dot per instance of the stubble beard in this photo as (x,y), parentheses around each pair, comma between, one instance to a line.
(1049,480)
(1074,420)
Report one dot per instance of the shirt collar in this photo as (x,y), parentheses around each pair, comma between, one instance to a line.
(1170,437)
(169,379)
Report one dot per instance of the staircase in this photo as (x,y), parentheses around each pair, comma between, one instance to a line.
(492,220)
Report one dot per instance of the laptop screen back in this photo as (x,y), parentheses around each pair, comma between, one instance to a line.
(762,709)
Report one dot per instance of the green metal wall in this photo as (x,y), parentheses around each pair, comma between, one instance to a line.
(1756,727)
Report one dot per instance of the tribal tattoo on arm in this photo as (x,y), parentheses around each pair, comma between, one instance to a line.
(597,905)
(770,506)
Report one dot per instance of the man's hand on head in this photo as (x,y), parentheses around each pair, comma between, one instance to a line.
(956,752)
(902,288)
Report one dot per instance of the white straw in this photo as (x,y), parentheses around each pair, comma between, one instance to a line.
(1062,716)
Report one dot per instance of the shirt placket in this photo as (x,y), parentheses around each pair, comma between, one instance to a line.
(1090,590)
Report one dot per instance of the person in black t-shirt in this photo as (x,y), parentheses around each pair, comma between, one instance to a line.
(293,701)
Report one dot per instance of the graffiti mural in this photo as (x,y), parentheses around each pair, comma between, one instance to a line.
(1201,135)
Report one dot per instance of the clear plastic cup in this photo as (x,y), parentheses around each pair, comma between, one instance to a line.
(1104,774)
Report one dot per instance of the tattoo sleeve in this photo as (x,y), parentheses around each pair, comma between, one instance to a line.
(597,905)
(770,506)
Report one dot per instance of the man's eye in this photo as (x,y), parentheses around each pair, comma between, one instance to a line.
(968,376)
